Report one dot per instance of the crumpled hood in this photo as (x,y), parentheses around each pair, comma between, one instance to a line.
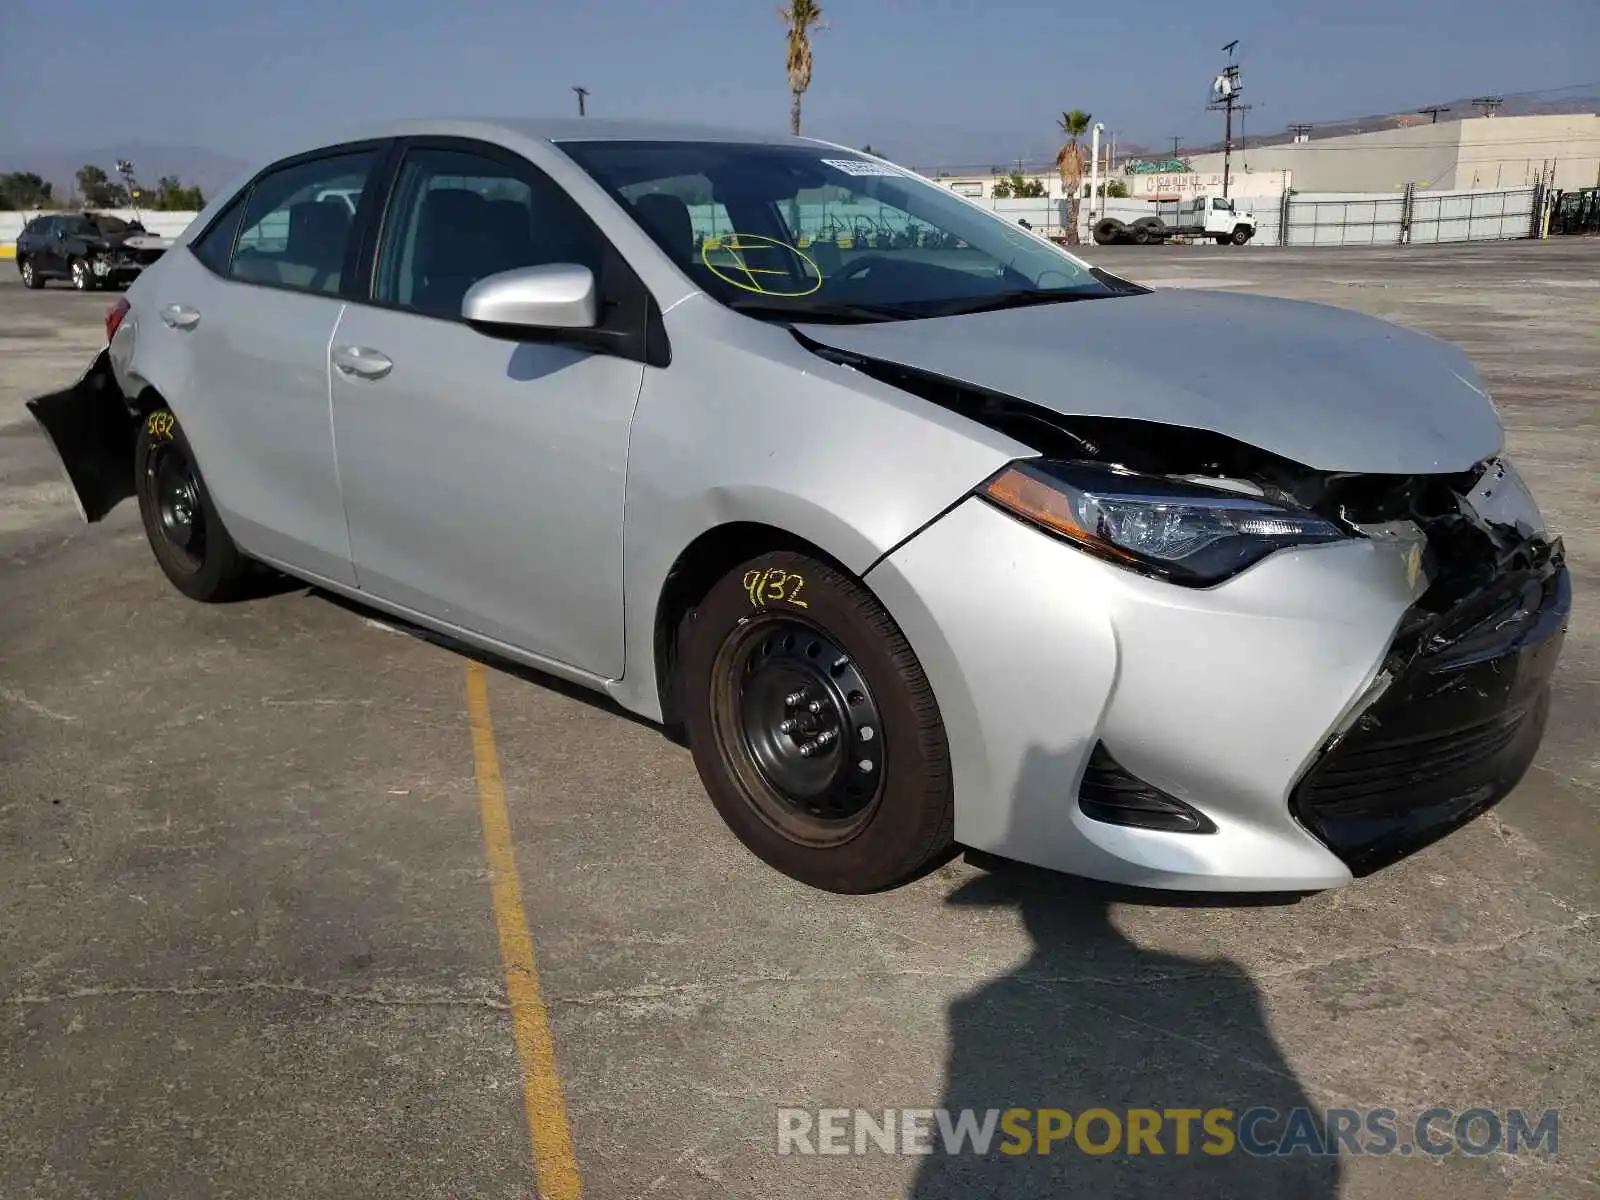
(1329,388)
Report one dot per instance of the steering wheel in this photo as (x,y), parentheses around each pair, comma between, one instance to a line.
(858,266)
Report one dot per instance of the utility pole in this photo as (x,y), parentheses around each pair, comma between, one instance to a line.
(1487,104)
(1433,111)
(1302,133)
(1175,142)
(1225,87)
(583,93)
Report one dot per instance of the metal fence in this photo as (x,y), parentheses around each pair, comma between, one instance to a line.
(1342,220)
(1471,216)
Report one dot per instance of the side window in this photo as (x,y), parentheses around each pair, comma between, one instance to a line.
(297,226)
(215,245)
(458,217)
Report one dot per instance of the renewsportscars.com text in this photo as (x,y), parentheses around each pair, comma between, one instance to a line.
(1259,1132)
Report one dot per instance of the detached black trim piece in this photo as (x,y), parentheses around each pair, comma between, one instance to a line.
(1113,794)
(92,431)
(1454,732)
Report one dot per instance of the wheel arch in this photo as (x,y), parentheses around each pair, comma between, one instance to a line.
(698,566)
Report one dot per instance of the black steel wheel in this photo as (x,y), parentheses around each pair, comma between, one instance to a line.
(180,521)
(813,726)
(794,714)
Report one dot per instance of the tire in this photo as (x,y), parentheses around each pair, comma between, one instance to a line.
(869,806)
(82,277)
(1109,232)
(1241,235)
(181,522)
(30,277)
(1146,230)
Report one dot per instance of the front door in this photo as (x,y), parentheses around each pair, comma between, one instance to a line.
(483,478)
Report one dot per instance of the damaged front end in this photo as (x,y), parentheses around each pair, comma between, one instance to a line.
(1456,713)
(92,431)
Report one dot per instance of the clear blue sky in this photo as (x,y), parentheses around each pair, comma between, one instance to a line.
(915,77)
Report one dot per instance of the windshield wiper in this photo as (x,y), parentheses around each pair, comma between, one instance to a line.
(821,312)
(998,300)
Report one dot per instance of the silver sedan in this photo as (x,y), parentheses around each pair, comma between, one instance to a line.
(923,531)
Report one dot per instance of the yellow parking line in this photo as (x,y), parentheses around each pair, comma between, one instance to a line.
(555,1166)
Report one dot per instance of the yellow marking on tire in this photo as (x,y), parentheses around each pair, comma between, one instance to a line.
(555,1165)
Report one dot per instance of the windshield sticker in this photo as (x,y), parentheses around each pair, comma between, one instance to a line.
(761,265)
(862,166)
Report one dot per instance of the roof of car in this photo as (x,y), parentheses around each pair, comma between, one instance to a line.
(572,129)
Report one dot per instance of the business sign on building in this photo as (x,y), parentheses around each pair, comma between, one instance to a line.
(1188,185)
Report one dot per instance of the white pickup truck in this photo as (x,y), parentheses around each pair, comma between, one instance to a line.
(1211,218)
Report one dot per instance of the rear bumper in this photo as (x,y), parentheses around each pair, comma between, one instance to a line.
(1455,729)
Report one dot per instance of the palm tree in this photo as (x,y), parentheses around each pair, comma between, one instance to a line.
(1069,161)
(801,17)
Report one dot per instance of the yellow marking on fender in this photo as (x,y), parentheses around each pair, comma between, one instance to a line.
(555,1166)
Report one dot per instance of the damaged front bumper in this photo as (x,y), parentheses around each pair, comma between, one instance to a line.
(1317,717)
(1465,693)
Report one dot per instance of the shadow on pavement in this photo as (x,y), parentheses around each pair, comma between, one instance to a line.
(1092,1021)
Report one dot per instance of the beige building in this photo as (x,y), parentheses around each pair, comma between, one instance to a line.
(1480,152)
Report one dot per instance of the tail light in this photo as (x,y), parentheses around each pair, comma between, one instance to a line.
(114,316)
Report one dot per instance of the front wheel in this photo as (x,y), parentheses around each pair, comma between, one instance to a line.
(180,519)
(1241,235)
(82,277)
(813,727)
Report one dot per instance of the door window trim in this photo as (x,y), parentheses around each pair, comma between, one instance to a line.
(375,190)
(639,334)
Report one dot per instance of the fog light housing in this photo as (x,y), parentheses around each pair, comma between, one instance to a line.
(1113,794)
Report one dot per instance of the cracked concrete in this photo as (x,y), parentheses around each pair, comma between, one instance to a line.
(246,946)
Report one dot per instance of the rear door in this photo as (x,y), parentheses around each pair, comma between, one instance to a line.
(484,476)
(246,315)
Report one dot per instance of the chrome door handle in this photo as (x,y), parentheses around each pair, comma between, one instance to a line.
(362,361)
(180,316)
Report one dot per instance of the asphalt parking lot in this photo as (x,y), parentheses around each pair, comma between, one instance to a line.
(248,944)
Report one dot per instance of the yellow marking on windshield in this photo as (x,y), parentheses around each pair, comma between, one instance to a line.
(737,246)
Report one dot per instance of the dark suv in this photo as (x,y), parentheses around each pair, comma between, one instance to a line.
(91,249)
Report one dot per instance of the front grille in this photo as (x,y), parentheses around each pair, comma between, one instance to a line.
(1456,729)
(1368,780)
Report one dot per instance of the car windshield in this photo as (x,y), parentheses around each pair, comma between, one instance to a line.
(796,232)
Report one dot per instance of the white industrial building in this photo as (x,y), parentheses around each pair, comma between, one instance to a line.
(1480,152)
(1477,153)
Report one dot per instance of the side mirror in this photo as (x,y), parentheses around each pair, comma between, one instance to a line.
(557,296)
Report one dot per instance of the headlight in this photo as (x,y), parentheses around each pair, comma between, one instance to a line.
(1183,532)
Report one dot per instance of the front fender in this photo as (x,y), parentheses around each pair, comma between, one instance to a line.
(92,431)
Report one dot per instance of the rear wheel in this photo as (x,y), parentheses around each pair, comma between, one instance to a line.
(82,277)
(814,728)
(180,520)
(30,277)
